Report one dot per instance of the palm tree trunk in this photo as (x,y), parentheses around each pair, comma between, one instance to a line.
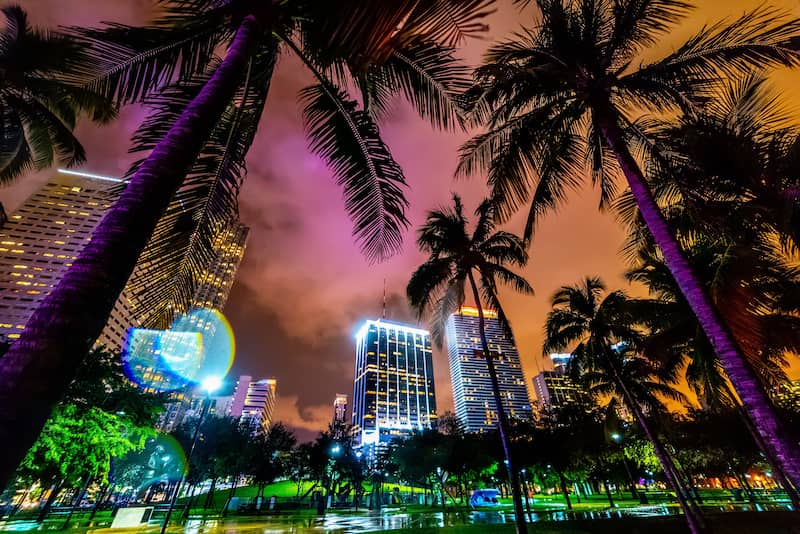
(38,367)
(777,469)
(694,516)
(776,437)
(513,476)
(564,489)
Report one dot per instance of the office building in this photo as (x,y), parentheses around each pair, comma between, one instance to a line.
(393,390)
(40,240)
(556,389)
(214,285)
(253,402)
(340,409)
(469,373)
(186,408)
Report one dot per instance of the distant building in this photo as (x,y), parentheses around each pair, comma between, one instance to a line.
(40,240)
(340,409)
(215,284)
(393,390)
(556,389)
(253,402)
(469,373)
(189,407)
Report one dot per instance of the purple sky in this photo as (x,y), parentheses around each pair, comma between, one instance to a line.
(304,287)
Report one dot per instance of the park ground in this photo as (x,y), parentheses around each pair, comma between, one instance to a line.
(427,519)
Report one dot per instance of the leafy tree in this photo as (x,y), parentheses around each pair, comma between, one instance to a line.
(603,330)
(478,261)
(207,112)
(561,96)
(42,98)
(219,450)
(269,454)
(78,445)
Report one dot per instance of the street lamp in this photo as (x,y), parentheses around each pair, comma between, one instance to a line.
(209,385)
(333,453)
(525,492)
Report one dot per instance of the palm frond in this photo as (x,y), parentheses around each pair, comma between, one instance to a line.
(184,242)
(363,165)
(129,63)
(431,78)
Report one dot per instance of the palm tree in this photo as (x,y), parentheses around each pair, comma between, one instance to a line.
(751,282)
(604,334)
(459,261)
(561,97)
(40,98)
(400,46)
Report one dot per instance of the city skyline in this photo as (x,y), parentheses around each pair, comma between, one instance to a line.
(288,302)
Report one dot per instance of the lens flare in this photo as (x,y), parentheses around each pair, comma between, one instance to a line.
(199,345)
(161,461)
(161,360)
(218,348)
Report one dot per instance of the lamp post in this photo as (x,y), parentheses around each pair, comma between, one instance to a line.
(525,492)
(333,453)
(209,385)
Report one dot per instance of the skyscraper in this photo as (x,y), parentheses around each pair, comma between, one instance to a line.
(215,283)
(555,389)
(472,388)
(41,239)
(393,390)
(340,408)
(254,402)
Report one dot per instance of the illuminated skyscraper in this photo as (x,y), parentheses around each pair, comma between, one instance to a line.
(393,390)
(215,284)
(254,402)
(41,239)
(340,408)
(472,388)
(555,389)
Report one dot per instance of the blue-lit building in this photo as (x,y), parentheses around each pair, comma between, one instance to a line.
(393,390)
(472,387)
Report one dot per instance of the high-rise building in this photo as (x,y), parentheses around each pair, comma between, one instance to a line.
(215,284)
(393,390)
(472,387)
(254,402)
(176,413)
(555,389)
(340,408)
(41,239)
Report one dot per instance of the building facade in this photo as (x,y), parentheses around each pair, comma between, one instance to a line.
(393,390)
(556,389)
(40,240)
(253,402)
(340,409)
(469,373)
(216,282)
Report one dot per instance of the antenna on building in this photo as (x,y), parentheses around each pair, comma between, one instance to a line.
(383,316)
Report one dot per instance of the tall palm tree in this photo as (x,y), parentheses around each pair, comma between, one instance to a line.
(40,97)
(459,261)
(604,334)
(751,282)
(563,96)
(400,46)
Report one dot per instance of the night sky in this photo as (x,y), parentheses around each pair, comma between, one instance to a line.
(304,287)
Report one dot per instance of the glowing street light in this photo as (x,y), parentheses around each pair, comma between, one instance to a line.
(210,384)
(616,437)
